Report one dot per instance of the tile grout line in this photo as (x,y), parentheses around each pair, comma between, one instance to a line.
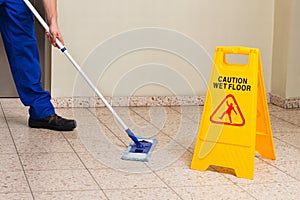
(285,120)
(170,187)
(104,124)
(23,169)
(296,180)
(86,168)
(286,142)
(187,149)
(146,164)
(233,183)
(281,139)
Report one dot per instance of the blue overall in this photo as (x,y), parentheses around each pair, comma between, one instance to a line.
(18,34)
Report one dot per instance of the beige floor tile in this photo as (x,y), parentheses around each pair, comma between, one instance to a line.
(184,132)
(98,137)
(290,115)
(272,108)
(15,112)
(60,180)
(155,115)
(119,109)
(263,173)
(175,176)
(77,145)
(194,117)
(193,113)
(184,161)
(276,191)
(11,103)
(71,134)
(10,162)
(112,160)
(292,168)
(26,133)
(13,182)
(16,196)
(3,123)
(213,192)
(133,119)
(138,125)
(292,138)
(192,146)
(91,161)
(279,125)
(102,144)
(87,131)
(55,171)
(73,112)
(148,131)
(20,122)
(141,194)
(181,129)
(7,146)
(101,111)
(4,133)
(70,195)
(164,143)
(42,145)
(285,151)
(50,161)
(87,121)
(170,158)
(169,124)
(114,179)
(188,109)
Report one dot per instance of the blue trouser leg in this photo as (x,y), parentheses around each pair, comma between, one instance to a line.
(17,30)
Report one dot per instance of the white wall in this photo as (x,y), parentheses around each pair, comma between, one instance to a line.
(293,80)
(89,25)
(286,66)
(281,47)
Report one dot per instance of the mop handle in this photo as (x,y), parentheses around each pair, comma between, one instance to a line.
(64,50)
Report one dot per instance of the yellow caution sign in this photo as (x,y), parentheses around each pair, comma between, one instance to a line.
(235,121)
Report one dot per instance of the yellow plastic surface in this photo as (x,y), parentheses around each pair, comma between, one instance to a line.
(235,121)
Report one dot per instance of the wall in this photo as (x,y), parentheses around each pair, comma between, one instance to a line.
(286,70)
(281,45)
(88,27)
(293,81)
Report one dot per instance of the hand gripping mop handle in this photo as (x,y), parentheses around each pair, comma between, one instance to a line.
(64,50)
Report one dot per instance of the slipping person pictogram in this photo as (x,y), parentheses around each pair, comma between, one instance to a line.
(228,112)
(226,107)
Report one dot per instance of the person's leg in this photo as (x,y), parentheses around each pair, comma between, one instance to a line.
(17,29)
(22,52)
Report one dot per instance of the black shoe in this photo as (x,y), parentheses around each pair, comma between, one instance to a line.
(53,122)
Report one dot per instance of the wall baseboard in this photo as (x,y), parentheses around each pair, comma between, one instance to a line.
(69,102)
(91,102)
(288,103)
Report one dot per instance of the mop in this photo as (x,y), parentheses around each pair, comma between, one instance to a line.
(140,148)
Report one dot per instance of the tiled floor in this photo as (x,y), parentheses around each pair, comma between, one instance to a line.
(86,164)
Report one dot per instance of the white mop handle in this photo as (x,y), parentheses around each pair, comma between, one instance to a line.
(64,50)
(42,21)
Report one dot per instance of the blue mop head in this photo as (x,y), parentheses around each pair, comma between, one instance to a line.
(136,153)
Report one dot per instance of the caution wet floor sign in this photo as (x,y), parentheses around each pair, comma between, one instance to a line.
(235,121)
